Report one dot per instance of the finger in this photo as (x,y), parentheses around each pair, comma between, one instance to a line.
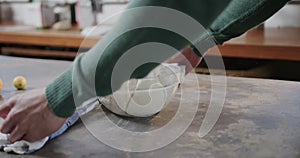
(10,122)
(17,134)
(4,112)
(32,137)
(6,107)
(7,127)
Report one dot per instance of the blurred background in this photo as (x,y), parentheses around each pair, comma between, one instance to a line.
(55,29)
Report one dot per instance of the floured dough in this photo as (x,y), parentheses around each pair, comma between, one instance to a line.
(147,96)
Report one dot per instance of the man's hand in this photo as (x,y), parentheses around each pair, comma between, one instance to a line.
(28,117)
(186,57)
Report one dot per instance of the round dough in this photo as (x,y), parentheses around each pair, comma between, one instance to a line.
(148,96)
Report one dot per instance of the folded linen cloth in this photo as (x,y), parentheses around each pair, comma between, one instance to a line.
(23,147)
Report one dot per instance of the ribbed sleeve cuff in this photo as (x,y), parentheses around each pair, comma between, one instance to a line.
(206,41)
(60,97)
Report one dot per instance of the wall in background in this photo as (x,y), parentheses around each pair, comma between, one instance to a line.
(108,16)
(288,16)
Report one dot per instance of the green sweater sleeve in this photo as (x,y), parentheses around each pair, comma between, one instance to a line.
(91,73)
(242,15)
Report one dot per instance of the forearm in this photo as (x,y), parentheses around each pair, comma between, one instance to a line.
(59,95)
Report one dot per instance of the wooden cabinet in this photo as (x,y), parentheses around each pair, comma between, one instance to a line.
(268,43)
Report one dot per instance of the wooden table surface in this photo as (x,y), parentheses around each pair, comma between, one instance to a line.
(260,118)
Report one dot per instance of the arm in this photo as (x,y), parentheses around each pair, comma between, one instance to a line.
(237,18)
(61,99)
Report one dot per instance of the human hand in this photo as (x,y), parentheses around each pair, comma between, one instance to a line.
(28,117)
(186,57)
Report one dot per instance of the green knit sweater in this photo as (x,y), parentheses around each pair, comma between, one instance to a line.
(91,73)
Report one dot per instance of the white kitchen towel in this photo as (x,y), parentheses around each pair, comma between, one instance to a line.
(24,147)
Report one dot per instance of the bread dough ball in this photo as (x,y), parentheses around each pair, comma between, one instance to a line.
(147,96)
